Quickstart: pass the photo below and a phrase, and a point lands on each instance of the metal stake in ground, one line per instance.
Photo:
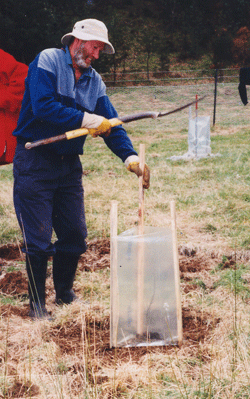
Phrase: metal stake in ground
(196, 126)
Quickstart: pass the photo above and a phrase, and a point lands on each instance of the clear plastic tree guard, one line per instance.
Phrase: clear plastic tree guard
(144, 309)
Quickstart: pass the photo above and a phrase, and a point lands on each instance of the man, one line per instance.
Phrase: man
(12, 76)
(63, 92)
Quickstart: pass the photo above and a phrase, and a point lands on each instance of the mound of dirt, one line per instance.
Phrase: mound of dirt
(193, 264)
(14, 283)
(96, 257)
(196, 325)
(23, 389)
(71, 338)
(11, 252)
(10, 310)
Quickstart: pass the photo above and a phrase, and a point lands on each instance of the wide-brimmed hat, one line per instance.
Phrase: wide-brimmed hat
(90, 29)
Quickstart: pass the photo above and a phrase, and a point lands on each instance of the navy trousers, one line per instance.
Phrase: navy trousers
(48, 194)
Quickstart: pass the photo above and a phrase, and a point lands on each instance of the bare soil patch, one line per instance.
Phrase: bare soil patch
(23, 389)
(97, 256)
(193, 264)
(14, 283)
(11, 310)
(197, 327)
(11, 252)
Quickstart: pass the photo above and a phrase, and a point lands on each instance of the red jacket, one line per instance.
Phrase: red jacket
(12, 76)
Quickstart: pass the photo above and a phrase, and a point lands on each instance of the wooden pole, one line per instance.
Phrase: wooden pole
(114, 298)
(140, 259)
(141, 190)
(176, 273)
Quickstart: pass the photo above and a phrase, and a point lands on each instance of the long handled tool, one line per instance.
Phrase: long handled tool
(114, 122)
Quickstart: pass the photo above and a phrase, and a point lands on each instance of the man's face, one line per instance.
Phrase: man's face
(84, 53)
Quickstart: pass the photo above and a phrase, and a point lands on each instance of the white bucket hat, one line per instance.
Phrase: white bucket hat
(90, 29)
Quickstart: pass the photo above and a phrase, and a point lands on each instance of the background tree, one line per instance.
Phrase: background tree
(149, 41)
(26, 28)
(222, 49)
(241, 46)
(150, 30)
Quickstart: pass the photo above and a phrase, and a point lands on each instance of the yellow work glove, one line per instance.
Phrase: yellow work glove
(97, 125)
(132, 164)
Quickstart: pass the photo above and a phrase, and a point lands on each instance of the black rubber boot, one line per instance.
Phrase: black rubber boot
(64, 270)
(36, 267)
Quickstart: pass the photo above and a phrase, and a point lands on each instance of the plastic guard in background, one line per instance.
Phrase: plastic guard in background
(12, 77)
(199, 137)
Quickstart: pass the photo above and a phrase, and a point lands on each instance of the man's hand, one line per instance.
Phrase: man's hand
(97, 125)
(132, 164)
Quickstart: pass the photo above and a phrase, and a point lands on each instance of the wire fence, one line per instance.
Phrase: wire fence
(222, 102)
(162, 78)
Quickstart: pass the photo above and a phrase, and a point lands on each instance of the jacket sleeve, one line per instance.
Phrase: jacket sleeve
(12, 82)
(118, 141)
(47, 104)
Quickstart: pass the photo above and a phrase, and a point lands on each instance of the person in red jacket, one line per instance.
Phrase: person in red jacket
(12, 77)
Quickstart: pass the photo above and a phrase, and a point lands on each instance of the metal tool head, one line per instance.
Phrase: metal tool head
(181, 108)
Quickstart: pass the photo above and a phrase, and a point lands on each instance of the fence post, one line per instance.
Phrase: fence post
(215, 93)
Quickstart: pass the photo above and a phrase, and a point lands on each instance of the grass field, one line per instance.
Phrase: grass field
(69, 357)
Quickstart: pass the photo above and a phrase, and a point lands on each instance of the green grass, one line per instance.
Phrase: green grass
(6, 300)
(234, 280)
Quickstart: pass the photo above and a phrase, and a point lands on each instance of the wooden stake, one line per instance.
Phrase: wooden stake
(176, 273)
(114, 304)
(141, 190)
(140, 259)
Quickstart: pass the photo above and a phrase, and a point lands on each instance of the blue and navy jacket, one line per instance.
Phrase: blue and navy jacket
(54, 103)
